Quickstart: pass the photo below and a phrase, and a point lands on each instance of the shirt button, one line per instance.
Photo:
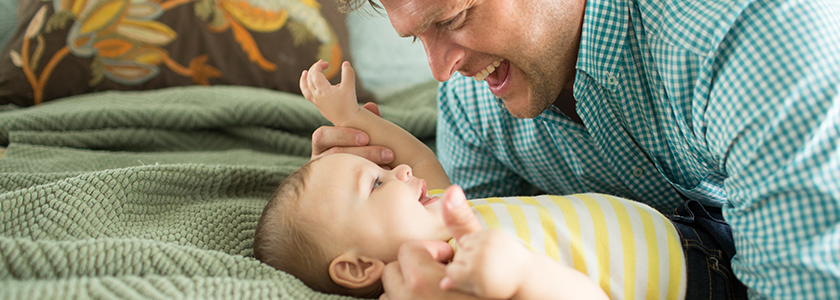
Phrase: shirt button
(612, 79)
(637, 172)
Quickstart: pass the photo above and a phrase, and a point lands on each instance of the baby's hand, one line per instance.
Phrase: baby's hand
(488, 264)
(337, 102)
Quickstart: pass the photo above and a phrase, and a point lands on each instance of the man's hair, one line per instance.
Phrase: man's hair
(286, 241)
(346, 6)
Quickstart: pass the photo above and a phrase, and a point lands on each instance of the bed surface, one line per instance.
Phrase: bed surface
(156, 194)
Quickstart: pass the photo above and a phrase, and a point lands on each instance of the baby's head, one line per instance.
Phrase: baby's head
(336, 221)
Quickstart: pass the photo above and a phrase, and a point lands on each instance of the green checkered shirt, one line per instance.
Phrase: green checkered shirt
(733, 103)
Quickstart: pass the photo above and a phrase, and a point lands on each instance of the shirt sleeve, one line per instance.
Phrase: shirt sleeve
(465, 157)
(774, 115)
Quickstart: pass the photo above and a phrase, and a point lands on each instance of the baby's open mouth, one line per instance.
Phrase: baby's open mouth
(425, 198)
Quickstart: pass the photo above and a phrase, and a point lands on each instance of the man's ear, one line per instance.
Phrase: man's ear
(353, 271)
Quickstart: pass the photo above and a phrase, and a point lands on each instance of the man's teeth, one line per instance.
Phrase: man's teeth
(487, 71)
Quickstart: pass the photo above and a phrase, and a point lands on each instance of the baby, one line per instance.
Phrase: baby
(337, 221)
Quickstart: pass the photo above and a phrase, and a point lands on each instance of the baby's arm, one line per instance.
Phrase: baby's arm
(338, 104)
(491, 264)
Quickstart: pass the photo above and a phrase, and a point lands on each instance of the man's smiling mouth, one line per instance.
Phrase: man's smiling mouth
(496, 75)
(487, 71)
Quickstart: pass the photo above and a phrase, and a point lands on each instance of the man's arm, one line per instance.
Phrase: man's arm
(338, 104)
(774, 125)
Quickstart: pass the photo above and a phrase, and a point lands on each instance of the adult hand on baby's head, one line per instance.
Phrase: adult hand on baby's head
(337, 102)
(328, 140)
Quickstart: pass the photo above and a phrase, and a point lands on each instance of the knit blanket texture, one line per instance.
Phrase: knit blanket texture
(156, 194)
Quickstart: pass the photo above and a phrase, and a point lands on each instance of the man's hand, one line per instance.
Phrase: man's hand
(328, 140)
(417, 272)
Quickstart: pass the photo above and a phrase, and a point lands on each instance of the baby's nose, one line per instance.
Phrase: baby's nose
(402, 172)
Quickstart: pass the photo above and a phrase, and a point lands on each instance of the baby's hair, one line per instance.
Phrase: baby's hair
(284, 241)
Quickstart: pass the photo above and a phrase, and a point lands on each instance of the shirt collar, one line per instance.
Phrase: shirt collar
(602, 39)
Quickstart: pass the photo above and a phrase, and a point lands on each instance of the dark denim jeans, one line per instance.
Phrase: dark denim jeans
(708, 245)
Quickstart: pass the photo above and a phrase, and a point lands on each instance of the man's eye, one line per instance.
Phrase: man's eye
(453, 23)
(376, 183)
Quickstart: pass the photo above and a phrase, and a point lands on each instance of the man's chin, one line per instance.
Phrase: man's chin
(522, 108)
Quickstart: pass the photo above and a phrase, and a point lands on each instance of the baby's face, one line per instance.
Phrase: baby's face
(369, 209)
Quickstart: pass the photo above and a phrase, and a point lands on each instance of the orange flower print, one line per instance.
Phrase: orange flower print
(121, 35)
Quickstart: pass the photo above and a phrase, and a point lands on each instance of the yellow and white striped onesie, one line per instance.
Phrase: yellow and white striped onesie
(631, 250)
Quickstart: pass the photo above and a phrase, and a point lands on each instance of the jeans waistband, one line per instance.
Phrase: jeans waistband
(709, 248)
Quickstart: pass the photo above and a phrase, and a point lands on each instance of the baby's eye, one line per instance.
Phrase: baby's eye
(376, 183)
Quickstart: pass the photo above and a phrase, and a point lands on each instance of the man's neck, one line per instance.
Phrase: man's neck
(566, 103)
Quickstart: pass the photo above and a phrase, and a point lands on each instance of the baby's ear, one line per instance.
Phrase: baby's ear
(353, 271)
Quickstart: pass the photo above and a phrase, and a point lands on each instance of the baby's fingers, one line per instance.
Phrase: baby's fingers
(458, 277)
(348, 76)
(304, 85)
(317, 80)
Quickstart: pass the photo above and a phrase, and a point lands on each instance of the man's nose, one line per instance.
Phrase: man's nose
(444, 56)
(402, 172)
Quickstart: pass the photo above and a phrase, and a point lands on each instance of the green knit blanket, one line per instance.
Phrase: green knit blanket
(156, 194)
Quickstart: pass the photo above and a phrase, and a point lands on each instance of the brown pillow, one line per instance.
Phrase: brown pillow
(86, 46)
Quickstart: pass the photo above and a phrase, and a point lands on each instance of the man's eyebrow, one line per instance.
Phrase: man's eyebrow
(425, 25)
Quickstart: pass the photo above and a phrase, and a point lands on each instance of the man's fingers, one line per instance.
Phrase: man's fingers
(457, 214)
(439, 250)
(418, 260)
(424, 252)
(326, 137)
(377, 154)
(328, 140)
(392, 276)
(372, 107)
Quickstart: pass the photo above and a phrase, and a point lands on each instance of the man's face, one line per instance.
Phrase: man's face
(526, 50)
(369, 209)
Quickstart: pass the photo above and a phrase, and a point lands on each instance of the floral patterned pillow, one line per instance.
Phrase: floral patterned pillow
(68, 47)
